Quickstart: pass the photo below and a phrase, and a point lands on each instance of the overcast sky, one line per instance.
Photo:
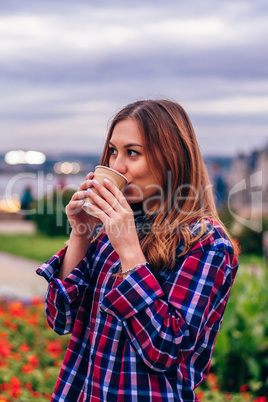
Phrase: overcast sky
(66, 67)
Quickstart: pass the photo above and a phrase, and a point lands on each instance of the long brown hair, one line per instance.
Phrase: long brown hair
(174, 156)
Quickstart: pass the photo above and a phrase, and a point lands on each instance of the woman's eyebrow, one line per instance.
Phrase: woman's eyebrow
(127, 145)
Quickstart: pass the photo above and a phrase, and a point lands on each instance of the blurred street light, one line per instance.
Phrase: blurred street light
(67, 168)
(25, 157)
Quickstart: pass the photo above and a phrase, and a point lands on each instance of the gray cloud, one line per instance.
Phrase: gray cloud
(223, 63)
(67, 66)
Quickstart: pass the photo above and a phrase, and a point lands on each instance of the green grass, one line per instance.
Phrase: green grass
(40, 248)
(250, 259)
(33, 246)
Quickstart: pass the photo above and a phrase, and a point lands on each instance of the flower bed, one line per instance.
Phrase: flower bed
(213, 393)
(31, 355)
(30, 352)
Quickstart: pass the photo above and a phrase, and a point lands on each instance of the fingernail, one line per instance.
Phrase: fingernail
(95, 181)
(87, 204)
(80, 202)
(106, 180)
(89, 191)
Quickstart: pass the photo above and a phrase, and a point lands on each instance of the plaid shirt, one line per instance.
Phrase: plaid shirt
(145, 337)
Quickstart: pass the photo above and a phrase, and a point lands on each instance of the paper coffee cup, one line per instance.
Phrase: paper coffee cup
(101, 173)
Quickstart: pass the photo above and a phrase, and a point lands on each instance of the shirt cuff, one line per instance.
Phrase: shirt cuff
(136, 292)
(51, 268)
(74, 284)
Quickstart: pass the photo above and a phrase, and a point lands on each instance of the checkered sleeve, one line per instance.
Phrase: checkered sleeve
(64, 296)
(163, 323)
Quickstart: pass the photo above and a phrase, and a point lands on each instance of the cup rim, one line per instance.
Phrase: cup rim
(106, 167)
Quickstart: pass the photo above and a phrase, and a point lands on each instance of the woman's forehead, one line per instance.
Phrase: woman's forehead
(126, 131)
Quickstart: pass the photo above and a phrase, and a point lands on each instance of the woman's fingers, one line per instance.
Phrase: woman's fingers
(111, 194)
(117, 193)
(108, 198)
(74, 207)
(85, 185)
(108, 191)
(87, 182)
(90, 176)
(105, 199)
(108, 207)
(81, 194)
(77, 201)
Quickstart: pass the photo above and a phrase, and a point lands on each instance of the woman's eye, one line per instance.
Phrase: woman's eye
(112, 150)
(131, 152)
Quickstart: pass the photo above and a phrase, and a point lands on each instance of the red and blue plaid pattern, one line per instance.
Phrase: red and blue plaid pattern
(143, 338)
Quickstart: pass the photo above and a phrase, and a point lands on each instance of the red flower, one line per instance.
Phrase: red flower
(16, 356)
(54, 348)
(37, 301)
(27, 368)
(4, 386)
(36, 394)
(33, 319)
(7, 323)
(215, 387)
(17, 309)
(29, 386)
(212, 380)
(3, 335)
(244, 388)
(200, 395)
(260, 399)
(2, 311)
(33, 363)
(3, 398)
(33, 360)
(15, 387)
(5, 347)
(24, 348)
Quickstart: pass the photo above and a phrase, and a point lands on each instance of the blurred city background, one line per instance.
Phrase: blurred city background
(65, 69)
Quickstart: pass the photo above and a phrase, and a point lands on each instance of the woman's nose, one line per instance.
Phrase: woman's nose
(119, 165)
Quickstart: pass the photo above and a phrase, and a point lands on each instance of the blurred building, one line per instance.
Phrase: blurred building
(248, 175)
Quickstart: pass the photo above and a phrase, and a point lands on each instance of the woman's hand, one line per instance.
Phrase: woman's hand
(81, 222)
(117, 216)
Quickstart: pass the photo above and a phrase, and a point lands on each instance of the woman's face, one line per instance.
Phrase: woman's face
(127, 156)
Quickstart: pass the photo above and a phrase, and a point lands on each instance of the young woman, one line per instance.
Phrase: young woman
(143, 297)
